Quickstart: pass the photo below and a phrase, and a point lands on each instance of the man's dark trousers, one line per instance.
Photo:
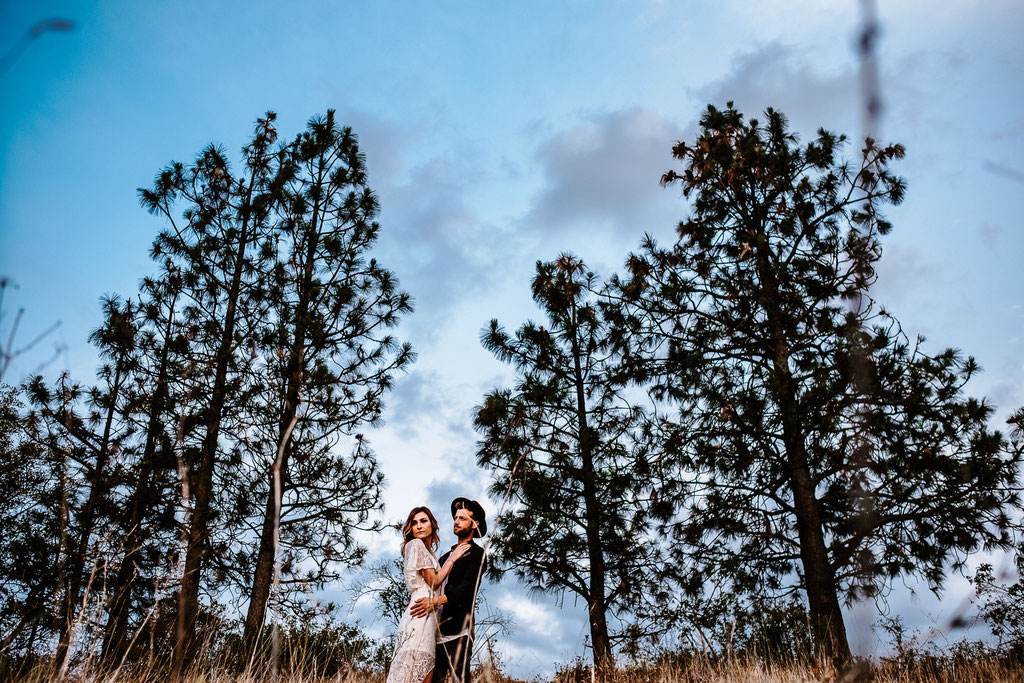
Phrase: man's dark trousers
(453, 657)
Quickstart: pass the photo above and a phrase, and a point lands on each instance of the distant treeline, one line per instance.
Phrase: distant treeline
(714, 449)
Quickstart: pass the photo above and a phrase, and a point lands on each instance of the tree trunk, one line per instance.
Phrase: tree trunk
(63, 550)
(86, 520)
(115, 633)
(201, 485)
(596, 608)
(201, 473)
(826, 615)
(819, 577)
(263, 574)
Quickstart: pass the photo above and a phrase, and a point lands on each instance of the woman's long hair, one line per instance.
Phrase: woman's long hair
(434, 539)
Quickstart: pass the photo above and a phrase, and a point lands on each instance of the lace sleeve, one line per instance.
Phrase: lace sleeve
(417, 556)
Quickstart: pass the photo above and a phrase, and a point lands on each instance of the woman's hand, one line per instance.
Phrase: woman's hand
(435, 578)
(460, 550)
(425, 606)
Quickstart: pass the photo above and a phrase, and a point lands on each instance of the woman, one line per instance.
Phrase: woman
(413, 661)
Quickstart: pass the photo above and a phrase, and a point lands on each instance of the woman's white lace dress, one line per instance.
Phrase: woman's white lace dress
(414, 648)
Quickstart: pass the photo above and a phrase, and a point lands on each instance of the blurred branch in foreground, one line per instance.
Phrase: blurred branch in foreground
(38, 29)
(1005, 171)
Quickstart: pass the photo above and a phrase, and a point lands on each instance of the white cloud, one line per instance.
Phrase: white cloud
(604, 173)
(530, 615)
(788, 80)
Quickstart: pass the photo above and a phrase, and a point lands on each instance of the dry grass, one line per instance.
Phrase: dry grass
(155, 674)
(983, 669)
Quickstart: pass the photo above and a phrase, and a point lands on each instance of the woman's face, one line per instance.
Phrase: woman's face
(421, 526)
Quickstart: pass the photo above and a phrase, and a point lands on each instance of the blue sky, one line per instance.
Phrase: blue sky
(497, 134)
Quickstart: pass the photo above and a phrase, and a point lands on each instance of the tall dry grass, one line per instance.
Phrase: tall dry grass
(158, 671)
(44, 675)
(984, 668)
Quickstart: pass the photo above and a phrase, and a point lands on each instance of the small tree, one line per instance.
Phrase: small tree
(826, 451)
(566, 444)
(86, 432)
(1001, 605)
(103, 433)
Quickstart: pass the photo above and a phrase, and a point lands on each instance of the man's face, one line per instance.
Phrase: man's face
(463, 526)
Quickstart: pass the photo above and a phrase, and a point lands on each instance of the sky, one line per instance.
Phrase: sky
(498, 134)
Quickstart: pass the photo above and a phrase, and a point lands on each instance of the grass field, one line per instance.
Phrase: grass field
(981, 669)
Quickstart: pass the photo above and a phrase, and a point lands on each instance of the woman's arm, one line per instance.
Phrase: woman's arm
(435, 578)
(458, 595)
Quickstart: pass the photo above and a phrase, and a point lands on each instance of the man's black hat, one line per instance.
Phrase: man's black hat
(478, 514)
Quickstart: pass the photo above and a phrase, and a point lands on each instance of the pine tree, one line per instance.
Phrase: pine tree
(825, 450)
(116, 341)
(217, 247)
(571, 451)
(30, 505)
(86, 430)
(147, 524)
(329, 358)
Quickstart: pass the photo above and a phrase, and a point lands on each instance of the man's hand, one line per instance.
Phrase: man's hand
(424, 606)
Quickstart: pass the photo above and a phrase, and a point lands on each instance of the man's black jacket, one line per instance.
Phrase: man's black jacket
(463, 583)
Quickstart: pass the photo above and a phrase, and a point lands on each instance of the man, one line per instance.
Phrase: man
(458, 600)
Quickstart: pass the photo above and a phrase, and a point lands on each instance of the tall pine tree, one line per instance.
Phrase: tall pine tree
(329, 357)
(571, 450)
(825, 449)
(215, 243)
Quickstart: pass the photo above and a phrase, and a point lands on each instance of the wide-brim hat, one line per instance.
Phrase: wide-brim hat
(478, 515)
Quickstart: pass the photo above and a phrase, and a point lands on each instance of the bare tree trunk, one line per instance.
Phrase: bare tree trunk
(86, 521)
(115, 633)
(596, 607)
(201, 475)
(819, 576)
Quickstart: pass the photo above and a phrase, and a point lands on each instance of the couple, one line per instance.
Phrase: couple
(434, 642)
